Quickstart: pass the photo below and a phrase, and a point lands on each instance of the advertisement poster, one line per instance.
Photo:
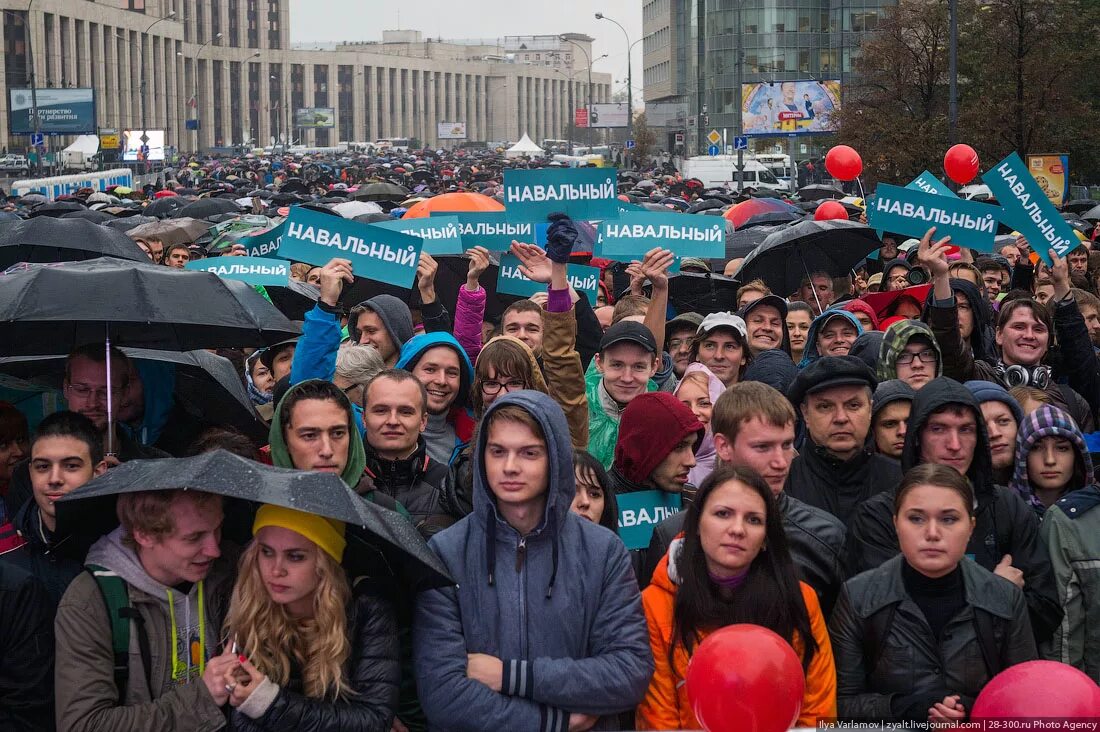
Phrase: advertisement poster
(1051, 172)
(780, 108)
(314, 117)
(60, 111)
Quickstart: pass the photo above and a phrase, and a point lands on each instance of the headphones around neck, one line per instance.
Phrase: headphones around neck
(1013, 376)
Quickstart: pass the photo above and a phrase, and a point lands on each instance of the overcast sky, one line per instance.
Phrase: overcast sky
(364, 20)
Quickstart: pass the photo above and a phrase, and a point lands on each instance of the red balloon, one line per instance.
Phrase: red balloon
(961, 164)
(829, 210)
(843, 163)
(1038, 689)
(745, 678)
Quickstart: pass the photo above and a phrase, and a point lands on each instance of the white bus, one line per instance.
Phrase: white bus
(779, 165)
(396, 144)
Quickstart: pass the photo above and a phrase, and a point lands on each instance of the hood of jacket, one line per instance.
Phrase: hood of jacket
(893, 264)
(419, 344)
(894, 341)
(559, 448)
(859, 306)
(650, 427)
(536, 371)
(774, 368)
(704, 452)
(937, 393)
(810, 354)
(866, 348)
(888, 392)
(280, 455)
(1049, 421)
(981, 337)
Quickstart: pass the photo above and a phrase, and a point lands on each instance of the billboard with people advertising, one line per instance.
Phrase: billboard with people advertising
(781, 108)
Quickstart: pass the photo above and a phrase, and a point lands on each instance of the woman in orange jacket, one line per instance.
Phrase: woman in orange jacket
(731, 565)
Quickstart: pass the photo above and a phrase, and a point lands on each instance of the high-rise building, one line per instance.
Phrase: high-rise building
(222, 72)
(690, 52)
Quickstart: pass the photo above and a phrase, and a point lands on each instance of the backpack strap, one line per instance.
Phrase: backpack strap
(117, 598)
(874, 639)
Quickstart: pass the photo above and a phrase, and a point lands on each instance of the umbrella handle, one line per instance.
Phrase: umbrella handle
(861, 194)
(807, 271)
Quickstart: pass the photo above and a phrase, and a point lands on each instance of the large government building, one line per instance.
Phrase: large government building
(223, 72)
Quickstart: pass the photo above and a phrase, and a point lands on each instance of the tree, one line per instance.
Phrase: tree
(645, 139)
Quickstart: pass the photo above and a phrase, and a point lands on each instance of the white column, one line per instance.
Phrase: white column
(386, 128)
(374, 98)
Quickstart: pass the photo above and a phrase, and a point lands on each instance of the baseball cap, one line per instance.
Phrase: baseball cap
(774, 300)
(685, 320)
(628, 331)
(828, 372)
(723, 320)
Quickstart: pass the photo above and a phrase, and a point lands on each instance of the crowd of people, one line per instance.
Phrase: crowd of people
(889, 468)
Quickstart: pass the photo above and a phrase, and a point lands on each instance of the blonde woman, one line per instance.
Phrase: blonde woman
(314, 653)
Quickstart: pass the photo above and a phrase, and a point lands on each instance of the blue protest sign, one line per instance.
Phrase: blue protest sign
(633, 234)
(912, 212)
(640, 512)
(510, 281)
(440, 234)
(1028, 210)
(253, 270)
(375, 253)
(264, 244)
(493, 230)
(931, 184)
(583, 193)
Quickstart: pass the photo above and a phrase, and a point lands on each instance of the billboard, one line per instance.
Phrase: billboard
(450, 130)
(609, 115)
(132, 146)
(315, 117)
(60, 111)
(1051, 172)
(782, 108)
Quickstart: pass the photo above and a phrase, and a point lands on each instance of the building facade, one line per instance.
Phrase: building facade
(690, 51)
(227, 66)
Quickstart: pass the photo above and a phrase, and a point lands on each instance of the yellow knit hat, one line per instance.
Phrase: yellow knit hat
(325, 533)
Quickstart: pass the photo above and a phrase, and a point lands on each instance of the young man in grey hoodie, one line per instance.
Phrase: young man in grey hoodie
(544, 629)
(178, 585)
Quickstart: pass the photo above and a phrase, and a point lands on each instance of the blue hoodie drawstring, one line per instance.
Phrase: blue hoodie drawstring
(552, 526)
(491, 547)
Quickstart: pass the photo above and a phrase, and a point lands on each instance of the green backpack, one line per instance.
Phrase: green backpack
(117, 598)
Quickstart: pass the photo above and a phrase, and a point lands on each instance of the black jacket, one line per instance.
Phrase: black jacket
(1004, 523)
(884, 648)
(416, 483)
(822, 481)
(815, 538)
(373, 674)
(26, 652)
(43, 555)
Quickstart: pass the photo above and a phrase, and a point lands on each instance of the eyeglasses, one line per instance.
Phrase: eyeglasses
(493, 387)
(926, 356)
(675, 343)
(83, 391)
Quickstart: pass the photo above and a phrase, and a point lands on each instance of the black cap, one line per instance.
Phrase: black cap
(774, 300)
(628, 330)
(828, 372)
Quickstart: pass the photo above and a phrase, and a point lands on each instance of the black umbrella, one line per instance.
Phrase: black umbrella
(49, 308)
(125, 223)
(741, 242)
(384, 191)
(163, 207)
(207, 389)
(96, 217)
(702, 293)
(1078, 205)
(295, 299)
(788, 255)
(818, 192)
(771, 218)
(47, 239)
(89, 510)
(57, 208)
(205, 207)
(1093, 214)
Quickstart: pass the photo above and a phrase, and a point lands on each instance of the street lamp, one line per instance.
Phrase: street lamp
(35, 120)
(629, 77)
(570, 77)
(141, 45)
(587, 58)
(195, 87)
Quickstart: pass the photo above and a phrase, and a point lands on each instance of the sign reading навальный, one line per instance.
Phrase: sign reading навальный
(582, 193)
(931, 184)
(640, 512)
(510, 281)
(253, 270)
(440, 233)
(633, 234)
(1028, 210)
(912, 212)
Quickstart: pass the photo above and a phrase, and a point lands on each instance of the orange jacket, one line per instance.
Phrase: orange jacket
(666, 703)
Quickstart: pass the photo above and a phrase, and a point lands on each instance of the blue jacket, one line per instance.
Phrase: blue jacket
(461, 417)
(810, 353)
(565, 616)
(315, 355)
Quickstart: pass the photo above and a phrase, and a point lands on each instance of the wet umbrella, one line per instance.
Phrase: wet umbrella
(702, 293)
(295, 299)
(46, 239)
(1078, 205)
(127, 223)
(56, 209)
(818, 192)
(741, 242)
(173, 231)
(165, 206)
(788, 255)
(384, 191)
(645, 185)
(1093, 214)
(207, 388)
(741, 212)
(96, 217)
(459, 201)
(351, 209)
(773, 218)
(206, 207)
(381, 541)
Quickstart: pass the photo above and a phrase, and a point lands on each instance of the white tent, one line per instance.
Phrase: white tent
(86, 144)
(524, 148)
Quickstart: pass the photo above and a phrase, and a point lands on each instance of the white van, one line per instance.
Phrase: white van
(721, 170)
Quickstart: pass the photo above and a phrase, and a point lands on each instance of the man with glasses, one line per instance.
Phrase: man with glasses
(909, 352)
(395, 415)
